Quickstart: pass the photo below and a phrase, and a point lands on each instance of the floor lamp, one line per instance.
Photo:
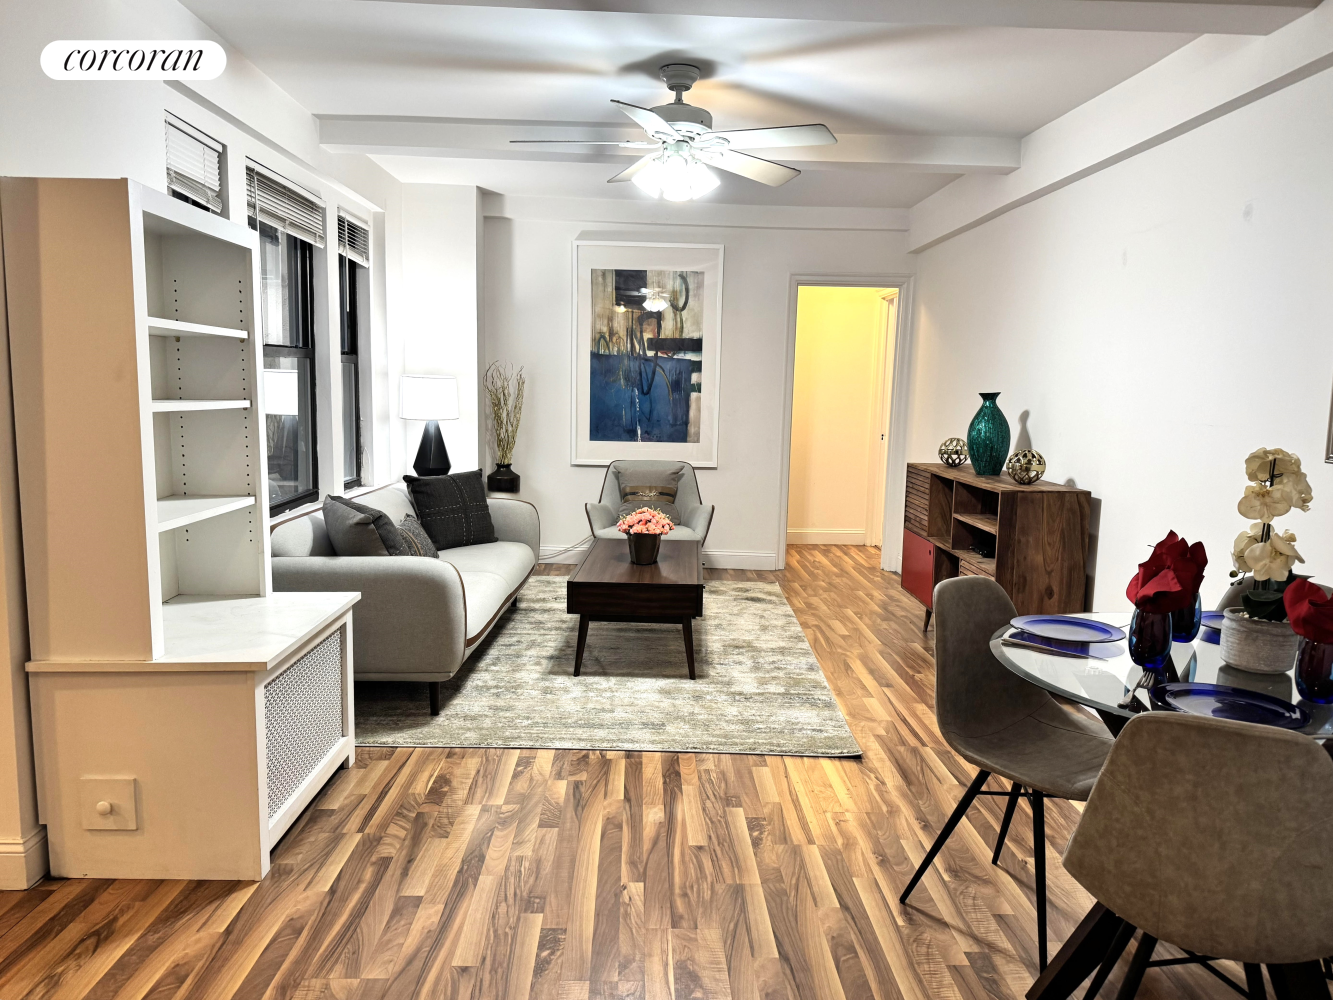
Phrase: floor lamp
(431, 398)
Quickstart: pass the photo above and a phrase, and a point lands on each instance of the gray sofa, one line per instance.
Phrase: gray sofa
(418, 619)
(695, 517)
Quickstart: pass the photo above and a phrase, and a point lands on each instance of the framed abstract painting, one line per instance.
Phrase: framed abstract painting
(647, 341)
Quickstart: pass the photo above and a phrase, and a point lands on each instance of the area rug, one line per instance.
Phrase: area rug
(759, 688)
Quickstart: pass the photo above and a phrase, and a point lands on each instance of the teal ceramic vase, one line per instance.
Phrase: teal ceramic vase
(988, 437)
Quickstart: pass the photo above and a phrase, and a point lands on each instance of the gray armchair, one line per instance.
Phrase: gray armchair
(695, 517)
(418, 619)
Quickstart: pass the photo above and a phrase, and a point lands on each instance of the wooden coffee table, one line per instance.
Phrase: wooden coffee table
(607, 587)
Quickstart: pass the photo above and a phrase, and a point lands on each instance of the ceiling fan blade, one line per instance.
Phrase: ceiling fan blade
(753, 167)
(591, 142)
(771, 138)
(628, 173)
(651, 122)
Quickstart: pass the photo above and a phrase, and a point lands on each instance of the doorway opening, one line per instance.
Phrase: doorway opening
(842, 385)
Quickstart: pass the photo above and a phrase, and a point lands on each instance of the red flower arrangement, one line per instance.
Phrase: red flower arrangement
(645, 521)
(1169, 579)
(1309, 610)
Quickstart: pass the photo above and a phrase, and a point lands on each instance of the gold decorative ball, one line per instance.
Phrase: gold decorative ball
(953, 452)
(1026, 466)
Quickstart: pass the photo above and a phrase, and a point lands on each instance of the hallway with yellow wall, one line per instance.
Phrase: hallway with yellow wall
(839, 405)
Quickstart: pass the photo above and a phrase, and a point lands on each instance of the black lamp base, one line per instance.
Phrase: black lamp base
(432, 456)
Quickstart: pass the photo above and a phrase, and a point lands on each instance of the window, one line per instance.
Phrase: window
(194, 166)
(353, 258)
(290, 225)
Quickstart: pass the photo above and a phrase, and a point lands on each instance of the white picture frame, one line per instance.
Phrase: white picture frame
(685, 265)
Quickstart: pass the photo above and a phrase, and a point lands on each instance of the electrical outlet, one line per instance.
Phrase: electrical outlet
(108, 804)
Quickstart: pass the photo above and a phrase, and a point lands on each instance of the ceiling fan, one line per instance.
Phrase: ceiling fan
(682, 145)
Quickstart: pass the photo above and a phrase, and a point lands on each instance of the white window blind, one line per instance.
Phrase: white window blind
(354, 239)
(194, 164)
(271, 200)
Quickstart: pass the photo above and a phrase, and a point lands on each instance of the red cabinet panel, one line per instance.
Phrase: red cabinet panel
(918, 567)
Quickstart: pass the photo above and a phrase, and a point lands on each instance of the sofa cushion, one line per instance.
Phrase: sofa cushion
(510, 561)
(453, 508)
(415, 539)
(490, 573)
(357, 530)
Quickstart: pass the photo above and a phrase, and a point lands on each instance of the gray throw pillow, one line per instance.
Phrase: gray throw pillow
(452, 509)
(357, 530)
(650, 488)
(415, 540)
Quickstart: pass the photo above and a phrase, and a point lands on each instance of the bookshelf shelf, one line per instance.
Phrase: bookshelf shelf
(178, 511)
(179, 328)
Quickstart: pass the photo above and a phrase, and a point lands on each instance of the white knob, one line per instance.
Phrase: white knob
(104, 808)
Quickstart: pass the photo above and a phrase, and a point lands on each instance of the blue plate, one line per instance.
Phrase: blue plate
(1218, 701)
(1212, 619)
(1209, 634)
(1095, 650)
(1068, 628)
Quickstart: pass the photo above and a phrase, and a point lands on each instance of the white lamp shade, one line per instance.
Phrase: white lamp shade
(428, 397)
(282, 392)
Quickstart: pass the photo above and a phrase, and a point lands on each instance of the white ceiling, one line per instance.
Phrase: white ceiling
(436, 90)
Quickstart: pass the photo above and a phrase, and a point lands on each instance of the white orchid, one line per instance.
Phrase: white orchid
(1265, 462)
(1242, 544)
(1265, 502)
(1273, 559)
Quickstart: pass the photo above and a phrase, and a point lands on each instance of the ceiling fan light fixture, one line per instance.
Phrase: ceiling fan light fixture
(675, 176)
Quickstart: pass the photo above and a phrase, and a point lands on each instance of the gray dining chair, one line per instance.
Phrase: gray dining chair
(1211, 835)
(1004, 725)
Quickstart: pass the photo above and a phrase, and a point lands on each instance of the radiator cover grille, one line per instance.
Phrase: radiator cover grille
(303, 718)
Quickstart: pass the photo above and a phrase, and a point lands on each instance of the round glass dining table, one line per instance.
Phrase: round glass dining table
(1105, 684)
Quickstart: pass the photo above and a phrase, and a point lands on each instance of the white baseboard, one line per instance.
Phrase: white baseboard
(739, 559)
(23, 862)
(563, 553)
(826, 536)
(713, 558)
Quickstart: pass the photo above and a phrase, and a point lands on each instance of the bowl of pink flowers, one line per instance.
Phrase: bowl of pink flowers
(644, 530)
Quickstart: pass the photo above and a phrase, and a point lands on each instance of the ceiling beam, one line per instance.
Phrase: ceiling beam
(1256, 17)
(491, 140)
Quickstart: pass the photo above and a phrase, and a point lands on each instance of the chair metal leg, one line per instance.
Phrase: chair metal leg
(1015, 793)
(1118, 946)
(1081, 953)
(1039, 864)
(1302, 981)
(1138, 965)
(971, 793)
(1254, 982)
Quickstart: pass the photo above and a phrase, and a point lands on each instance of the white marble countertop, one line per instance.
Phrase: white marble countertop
(226, 633)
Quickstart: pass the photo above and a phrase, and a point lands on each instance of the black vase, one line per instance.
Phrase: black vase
(643, 548)
(503, 480)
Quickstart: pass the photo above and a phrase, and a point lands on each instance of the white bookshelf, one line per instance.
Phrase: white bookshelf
(158, 652)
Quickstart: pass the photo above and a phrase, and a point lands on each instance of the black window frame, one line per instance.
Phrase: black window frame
(301, 320)
(349, 353)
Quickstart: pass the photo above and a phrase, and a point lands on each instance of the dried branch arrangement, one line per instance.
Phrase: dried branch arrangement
(506, 392)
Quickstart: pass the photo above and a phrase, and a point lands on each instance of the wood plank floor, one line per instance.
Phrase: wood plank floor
(576, 875)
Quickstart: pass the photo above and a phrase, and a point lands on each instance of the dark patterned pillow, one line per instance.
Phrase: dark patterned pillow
(415, 540)
(452, 509)
(656, 489)
(357, 530)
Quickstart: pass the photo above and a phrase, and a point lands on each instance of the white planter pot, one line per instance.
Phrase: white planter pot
(1256, 646)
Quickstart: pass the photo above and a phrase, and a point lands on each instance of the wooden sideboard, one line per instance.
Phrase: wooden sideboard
(1034, 539)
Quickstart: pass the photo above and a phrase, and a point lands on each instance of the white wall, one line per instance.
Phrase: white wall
(437, 311)
(1156, 321)
(529, 287)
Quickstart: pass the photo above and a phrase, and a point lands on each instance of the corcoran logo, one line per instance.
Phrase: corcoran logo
(152, 59)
